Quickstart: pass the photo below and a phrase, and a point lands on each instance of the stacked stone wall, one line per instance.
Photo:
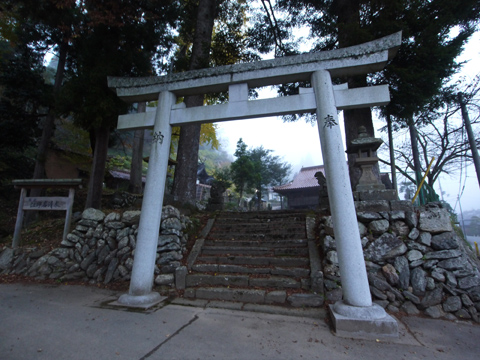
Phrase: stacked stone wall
(101, 248)
(416, 262)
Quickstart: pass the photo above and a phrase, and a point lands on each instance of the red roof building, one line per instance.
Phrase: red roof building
(303, 191)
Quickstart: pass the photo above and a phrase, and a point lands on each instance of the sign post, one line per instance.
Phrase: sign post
(44, 203)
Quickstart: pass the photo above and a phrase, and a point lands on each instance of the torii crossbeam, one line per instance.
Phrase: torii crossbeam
(356, 311)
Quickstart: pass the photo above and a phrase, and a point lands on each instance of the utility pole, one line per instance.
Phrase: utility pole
(471, 137)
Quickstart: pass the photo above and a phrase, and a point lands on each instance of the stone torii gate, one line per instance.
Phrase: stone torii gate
(355, 314)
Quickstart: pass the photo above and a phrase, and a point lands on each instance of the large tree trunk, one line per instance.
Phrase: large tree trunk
(47, 131)
(184, 186)
(416, 159)
(48, 125)
(135, 185)
(349, 34)
(95, 184)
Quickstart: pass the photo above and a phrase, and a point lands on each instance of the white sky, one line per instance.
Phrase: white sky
(298, 143)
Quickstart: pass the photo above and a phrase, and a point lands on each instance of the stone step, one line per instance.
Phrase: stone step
(277, 233)
(259, 224)
(278, 282)
(258, 250)
(239, 269)
(289, 261)
(254, 296)
(253, 237)
(264, 243)
(261, 217)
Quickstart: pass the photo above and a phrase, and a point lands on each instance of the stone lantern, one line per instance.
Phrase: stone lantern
(365, 146)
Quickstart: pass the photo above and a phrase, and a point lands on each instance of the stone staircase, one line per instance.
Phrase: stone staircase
(254, 257)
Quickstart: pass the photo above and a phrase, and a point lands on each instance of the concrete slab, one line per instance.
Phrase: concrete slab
(72, 322)
(368, 328)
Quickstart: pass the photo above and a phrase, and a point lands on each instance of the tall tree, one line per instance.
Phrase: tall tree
(219, 39)
(268, 170)
(440, 136)
(184, 186)
(51, 23)
(136, 185)
(22, 103)
(113, 41)
(242, 169)
(256, 169)
(434, 32)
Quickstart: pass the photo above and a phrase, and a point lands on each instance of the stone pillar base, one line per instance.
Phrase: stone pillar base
(368, 323)
(139, 301)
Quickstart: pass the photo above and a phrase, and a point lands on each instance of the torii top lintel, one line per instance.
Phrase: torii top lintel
(359, 59)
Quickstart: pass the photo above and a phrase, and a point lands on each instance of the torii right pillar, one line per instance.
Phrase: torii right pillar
(355, 316)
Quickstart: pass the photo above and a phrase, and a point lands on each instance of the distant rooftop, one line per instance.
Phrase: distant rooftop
(303, 180)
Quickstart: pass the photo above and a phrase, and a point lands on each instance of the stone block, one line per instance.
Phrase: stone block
(403, 205)
(414, 234)
(305, 300)
(372, 205)
(131, 217)
(180, 277)
(401, 265)
(332, 257)
(435, 311)
(435, 221)
(443, 254)
(378, 227)
(444, 241)
(364, 325)
(369, 195)
(276, 297)
(367, 216)
(469, 282)
(400, 228)
(410, 308)
(418, 281)
(276, 282)
(413, 255)
(452, 304)
(6, 258)
(164, 279)
(432, 298)
(385, 247)
(93, 214)
(453, 263)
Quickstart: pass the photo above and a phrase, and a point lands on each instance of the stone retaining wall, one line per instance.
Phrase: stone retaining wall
(416, 262)
(100, 249)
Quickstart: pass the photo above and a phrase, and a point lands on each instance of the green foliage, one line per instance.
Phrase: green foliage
(433, 35)
(112, 41)
(257, 169)
(223, 176)
(23, 94)
(242, 169)
(14, 164)
(72, 138)
(119, 162)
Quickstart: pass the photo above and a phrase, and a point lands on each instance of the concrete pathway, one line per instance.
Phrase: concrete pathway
(74, 322)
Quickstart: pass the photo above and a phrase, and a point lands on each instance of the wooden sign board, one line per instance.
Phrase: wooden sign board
(46, 203)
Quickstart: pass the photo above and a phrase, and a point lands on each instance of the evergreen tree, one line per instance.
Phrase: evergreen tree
(242, 169)
(257, 169)
(434, 32)
(218, 39)
(112, 41)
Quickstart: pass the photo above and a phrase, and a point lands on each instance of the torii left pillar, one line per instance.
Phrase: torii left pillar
(141, 283)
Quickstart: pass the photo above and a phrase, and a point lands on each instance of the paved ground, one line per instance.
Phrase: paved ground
(73, 322)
